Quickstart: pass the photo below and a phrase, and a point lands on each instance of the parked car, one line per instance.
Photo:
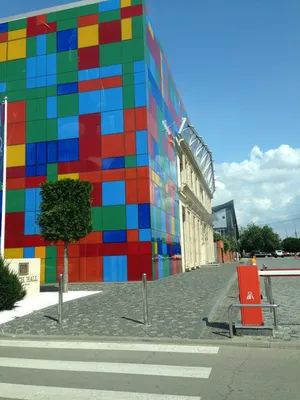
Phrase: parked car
(278, 253)
(260, 254)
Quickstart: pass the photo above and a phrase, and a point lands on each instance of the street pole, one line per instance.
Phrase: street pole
(145, 300)
(4, 155)
(60, 299)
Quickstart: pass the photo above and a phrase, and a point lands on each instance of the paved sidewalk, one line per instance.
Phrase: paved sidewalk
(286, 292)
(177, 307)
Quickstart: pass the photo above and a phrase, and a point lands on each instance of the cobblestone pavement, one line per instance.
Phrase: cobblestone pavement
(286, 293)
(177, 305)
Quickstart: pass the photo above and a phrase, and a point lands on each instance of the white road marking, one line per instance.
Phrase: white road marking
(164, 348)
(30, 392)
(106, 367)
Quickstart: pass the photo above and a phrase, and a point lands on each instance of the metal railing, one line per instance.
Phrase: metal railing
(238, 305)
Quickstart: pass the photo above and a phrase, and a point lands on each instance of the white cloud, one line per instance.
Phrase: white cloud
(265, 188)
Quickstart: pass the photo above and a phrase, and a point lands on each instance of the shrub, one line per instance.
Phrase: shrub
(11, 289)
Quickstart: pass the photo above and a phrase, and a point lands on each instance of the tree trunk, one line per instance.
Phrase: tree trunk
(66, 269)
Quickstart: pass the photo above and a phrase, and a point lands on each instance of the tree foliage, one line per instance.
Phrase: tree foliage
(11, 289)
(291, 244)
(254, 237)
(230, 244)
(66, 213)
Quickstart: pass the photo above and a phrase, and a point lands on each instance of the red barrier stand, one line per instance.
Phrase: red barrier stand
(249, 288)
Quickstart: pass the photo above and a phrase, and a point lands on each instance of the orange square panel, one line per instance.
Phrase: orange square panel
(16, 133)
(16, 112)
(112, 145)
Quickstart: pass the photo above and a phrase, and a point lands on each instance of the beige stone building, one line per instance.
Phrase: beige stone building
(196, 184)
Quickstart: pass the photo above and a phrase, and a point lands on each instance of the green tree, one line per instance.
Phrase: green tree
(11, 289)
(291, 244)
(254, 237)
(66, 214)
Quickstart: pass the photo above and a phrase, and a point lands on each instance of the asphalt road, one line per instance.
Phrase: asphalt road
(131, 371)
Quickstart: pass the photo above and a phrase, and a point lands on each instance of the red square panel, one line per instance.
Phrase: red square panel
(143, 191)
(132, 11)
(133, 247)
(131, 192)
(15, 172)
(14, 224)
(73, 266)
(129, 119)
(141, 118)
(16, 112)
(90, 250)
(88, 20)
(89, 125)
(146, 265)
(133, 268)
(91, 269)
(90, 149)
(110, 32)
(145, 247)
(112, 145)
(88, 57)
(3, 37)
(97, 194)
(16, 133)
(130, 144)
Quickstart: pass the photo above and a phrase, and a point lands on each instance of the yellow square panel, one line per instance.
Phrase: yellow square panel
(125, 3)
(13, 253)
(3, 52)
(16, 49)
(16, 156)
(42, 269)
(40, 252)
(126, 28)
(88, 36)
(68, 176)
(19, 34)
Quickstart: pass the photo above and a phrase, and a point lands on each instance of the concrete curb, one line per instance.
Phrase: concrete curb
(250, 343)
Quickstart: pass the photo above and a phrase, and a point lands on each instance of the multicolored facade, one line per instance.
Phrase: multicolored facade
(88, 89)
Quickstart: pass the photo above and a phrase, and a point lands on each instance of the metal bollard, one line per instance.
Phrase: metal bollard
(60, 299)
(145, 300)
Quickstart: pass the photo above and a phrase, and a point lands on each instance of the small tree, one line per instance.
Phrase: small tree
(66, 214)
(11, 289)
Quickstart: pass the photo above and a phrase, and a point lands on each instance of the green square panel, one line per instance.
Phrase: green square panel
(67, 24)
(128, 68)
(51, 178)
(52, 169)
(50, 270)
(67, 61)
(51, 252)
(97, 219)
(86, 10)
(128, 80)
(18, 24)
(114, 218)
(15, 200)
(127, 51)
(36, 93)
(138, 49)
(67, 105)
(52, 17)
(128, 97)
(31, 47)
(67, 77)
(41, 109)
(136, 2)
(51, 129)
(3, 71)
(36, 131)
(138, 27)
(16, 69)
(51, 91)
(109, 15)
(17, 96)
(51, 43)
(31, 107)
(166, 267)
(130, 161)
(14, 86)
(111, 54)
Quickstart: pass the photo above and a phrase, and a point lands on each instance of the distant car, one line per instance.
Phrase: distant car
(278, 253)
(260, 254)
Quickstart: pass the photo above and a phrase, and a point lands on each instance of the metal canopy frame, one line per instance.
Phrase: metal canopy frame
(200, 151)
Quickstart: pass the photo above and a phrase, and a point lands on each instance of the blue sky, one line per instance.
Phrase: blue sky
(236, 64)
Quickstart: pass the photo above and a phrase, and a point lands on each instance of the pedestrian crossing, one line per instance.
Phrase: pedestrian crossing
(48, 370)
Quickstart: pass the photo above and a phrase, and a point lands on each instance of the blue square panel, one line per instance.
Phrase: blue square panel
(68, 128)
(112, 122)
(31, 67)
(142, 160)
(41, 170)
(51, 64)
(110, 70)
(114, 236)
(113, 193)
(31, 154)
(139, 77)
(132, 217)
(144, 216)
(51, 107)
(30, 221)
(41, 81)
(68, 150)
(41, 66)
(145, 235)
(139, 66)
(30, 200)
(140, 95)
(112, 99)
(109, 5)
(41, 45)
(89, 102)
(67, 40)
(115, 269)
(4, 26)
(52, 152)
(2, 87)
(88, 74)
(29, 252)
(51, 80)
(41, 151)
(67, 88)
(113, 163)
(141, 142)
(30, 170)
